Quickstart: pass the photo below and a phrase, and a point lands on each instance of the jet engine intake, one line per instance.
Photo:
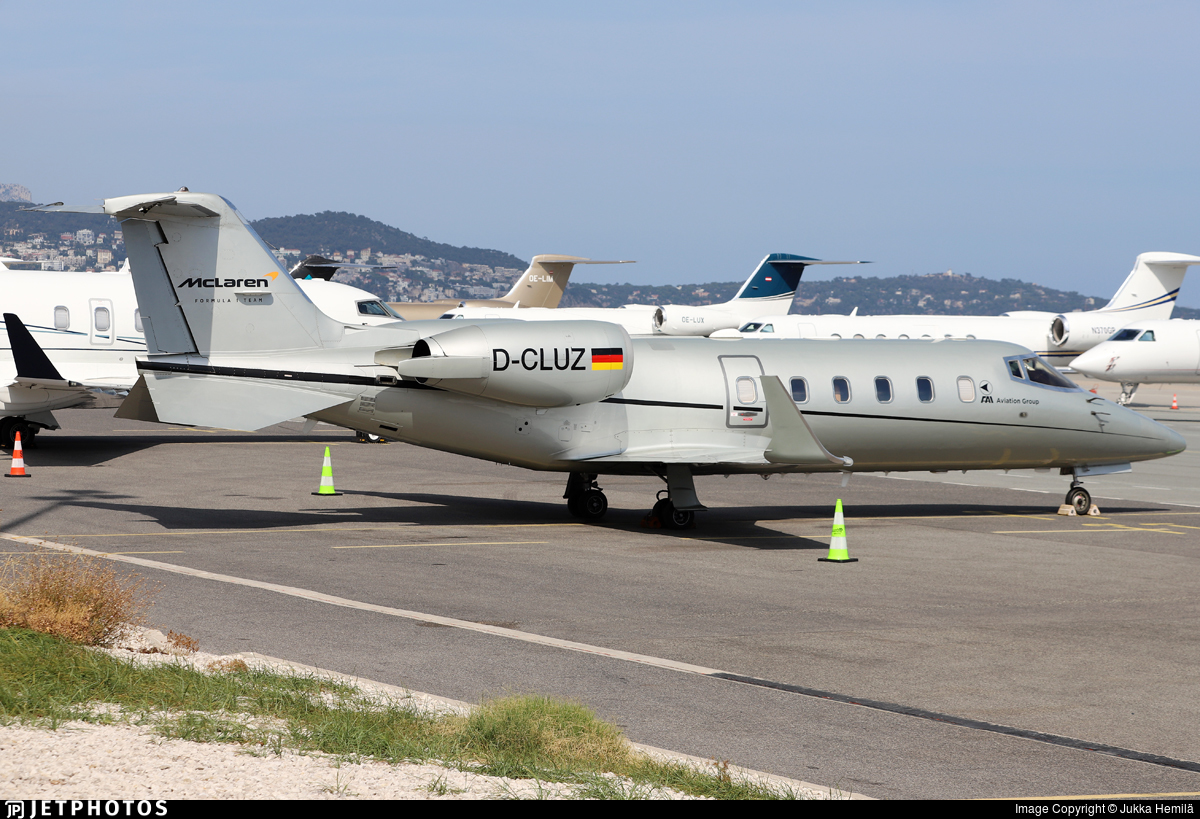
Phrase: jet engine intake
(1089, 330)
(1060, 331)
(532, 364)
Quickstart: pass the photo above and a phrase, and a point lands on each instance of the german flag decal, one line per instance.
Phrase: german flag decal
(608, 358)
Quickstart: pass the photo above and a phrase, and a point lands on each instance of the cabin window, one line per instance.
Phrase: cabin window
(137, 321)
(883, 390)
(799, 390)
(103, 320)
(1127, 334)
(881, 335)
(62, 318)
(966, 389)
(970, 336)
(858, 335)
(1147, 336)
(747, 390)
(834, 335)
(841, 389)
(925, 389)
(902, 335)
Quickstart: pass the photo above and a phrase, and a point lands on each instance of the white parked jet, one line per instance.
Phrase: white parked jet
(89, 326)
(771, 286)
(582, 397)
(1147, 352)
(1148, 293)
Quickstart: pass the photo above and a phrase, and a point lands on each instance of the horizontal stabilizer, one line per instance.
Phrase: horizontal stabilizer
(231, 404)
(793, 441)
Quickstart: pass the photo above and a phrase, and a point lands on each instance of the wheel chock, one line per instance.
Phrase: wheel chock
(1094, 511)
(1068, 510)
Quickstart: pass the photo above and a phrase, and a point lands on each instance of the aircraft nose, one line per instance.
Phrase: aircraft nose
(1091, 363)
(1158, 440)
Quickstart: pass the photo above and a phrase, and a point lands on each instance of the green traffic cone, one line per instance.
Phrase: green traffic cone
(838, 552)
(326, 487)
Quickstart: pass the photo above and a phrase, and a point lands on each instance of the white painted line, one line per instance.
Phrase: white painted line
(307, 594)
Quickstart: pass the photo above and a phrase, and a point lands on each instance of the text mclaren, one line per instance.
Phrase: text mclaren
(225, 283)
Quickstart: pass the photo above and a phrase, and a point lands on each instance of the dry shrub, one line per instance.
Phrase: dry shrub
(233, 665)
(75, 597)
(183, 644)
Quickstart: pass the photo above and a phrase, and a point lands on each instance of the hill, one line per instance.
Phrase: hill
(331, 231)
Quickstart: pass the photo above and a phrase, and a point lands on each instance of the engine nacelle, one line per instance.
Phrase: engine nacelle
(681, 320)
(533, 364)
(1089, 329)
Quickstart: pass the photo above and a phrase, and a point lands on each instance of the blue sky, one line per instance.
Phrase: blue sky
(1048, 141)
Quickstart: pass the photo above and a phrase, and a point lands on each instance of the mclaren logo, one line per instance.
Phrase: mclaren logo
(198, 282)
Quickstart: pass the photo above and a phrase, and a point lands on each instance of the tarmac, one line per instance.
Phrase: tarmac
(981, 647)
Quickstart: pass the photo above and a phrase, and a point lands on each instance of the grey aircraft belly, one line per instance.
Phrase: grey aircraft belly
(235, 344)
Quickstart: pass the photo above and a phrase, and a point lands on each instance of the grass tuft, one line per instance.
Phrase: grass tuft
(46, 680)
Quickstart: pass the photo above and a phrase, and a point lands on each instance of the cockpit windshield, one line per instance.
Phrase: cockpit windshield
(376, 308)
(1033, 369)
(1039, 372)
(1128, 334)
(751, 327)
(1147, 336)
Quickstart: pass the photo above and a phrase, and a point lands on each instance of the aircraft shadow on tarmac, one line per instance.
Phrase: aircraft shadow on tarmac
(743, 527)
(55, 449)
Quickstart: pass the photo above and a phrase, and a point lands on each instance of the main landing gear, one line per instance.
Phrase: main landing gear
(665, 515)
(10, 426)
(585, 499)
(675, 507)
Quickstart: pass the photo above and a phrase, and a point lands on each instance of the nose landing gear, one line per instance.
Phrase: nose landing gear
(1078, 498)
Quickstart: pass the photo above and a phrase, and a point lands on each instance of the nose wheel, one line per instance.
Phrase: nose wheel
(1079, 499)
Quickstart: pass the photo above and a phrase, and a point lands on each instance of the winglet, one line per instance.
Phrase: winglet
(31, 360)
(793, 441)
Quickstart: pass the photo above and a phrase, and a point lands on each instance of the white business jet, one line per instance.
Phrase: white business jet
(1147, 352)
(1148, 293)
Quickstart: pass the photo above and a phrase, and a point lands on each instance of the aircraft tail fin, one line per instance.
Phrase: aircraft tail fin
(1150, 290)
(31, 360)
(777, 278)
(206, 281)
(545, 279)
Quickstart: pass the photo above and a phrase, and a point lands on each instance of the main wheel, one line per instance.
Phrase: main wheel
(1079, 498)
(672, 518)
(7, 427)
(593, 504)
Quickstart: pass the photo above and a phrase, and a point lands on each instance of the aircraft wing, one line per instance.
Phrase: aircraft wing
(793, 441)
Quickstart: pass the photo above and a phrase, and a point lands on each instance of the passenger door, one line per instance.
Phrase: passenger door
(745, 405)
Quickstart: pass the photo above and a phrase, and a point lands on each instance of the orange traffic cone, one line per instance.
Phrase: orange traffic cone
(1175, 401)
(18, 464)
